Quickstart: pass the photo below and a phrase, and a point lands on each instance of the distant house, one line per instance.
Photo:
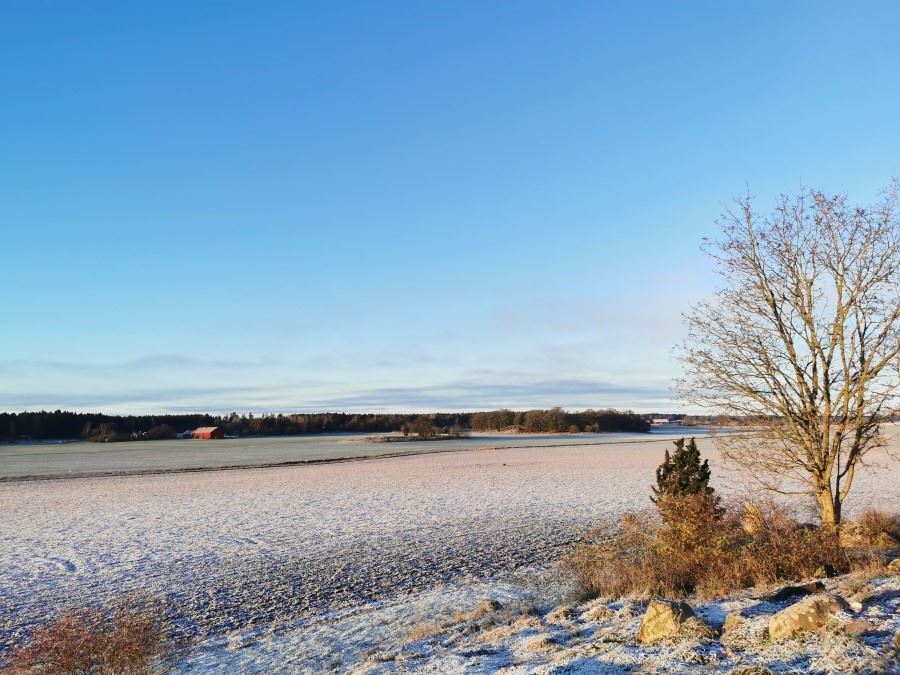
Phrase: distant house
(659, 421)
(208, 433)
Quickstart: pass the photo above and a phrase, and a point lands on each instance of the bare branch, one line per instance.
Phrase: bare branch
(804, 337)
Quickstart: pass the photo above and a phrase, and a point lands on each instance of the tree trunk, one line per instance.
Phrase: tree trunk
(829, 507)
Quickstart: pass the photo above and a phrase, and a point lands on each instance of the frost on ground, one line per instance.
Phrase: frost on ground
(341, 641)
(514, 628)
(20, 461)
(246, 548)
(252, 551)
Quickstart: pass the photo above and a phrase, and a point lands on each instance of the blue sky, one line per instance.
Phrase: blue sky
(401, 206)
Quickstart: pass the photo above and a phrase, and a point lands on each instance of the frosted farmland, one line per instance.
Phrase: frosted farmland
(78, 458)
(239, 550)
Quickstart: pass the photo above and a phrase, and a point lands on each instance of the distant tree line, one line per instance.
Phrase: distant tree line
(64, 425)
(557, 420)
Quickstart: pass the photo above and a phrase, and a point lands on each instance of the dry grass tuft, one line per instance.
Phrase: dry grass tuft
(486, 611)
(697, 549)
(493, 620)
(597, 612)
(127, 637)
(875, 527)
(540, 643)
(526, 621)
(424, 631)
(561, 615)
(498, 633)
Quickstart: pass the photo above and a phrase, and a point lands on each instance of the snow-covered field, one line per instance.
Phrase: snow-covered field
(255, 552)
(37, 460)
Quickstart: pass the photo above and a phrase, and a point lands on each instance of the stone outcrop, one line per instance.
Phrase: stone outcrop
(665, 619)
(809, 614)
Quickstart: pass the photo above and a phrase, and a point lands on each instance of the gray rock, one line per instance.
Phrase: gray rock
(665, 619)
(809, 614)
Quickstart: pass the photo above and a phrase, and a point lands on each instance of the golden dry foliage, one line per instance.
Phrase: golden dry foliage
(875, 528)
(697, 549)
(126, 638)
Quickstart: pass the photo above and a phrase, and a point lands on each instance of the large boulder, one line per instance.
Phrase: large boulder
(811, 613)
(894, 566)
(665, 619)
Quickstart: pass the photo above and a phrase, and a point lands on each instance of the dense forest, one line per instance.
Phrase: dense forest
(62, 425)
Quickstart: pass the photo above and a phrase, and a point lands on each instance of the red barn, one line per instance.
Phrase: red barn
(208, 433)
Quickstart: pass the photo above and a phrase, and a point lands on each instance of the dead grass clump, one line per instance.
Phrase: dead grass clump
(697, 548)
(486, 610)
(498, 633)
(426, 630)
(540, 643)
(615, 560)
(597, 612)
(126, 638)
(487, 614)
(863, 573)
(562, 615)
(875, 527)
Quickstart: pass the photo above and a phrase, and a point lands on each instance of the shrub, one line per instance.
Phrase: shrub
(876, 528)
(700, 548)
(617, 560)
(682, 473)
(125, 638)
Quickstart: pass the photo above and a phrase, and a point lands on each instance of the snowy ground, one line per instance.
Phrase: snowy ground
(43, 460)
(252, 552)
(453, 631)
(531, 628)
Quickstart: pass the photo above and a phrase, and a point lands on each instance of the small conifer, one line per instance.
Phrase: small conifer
(682, 473)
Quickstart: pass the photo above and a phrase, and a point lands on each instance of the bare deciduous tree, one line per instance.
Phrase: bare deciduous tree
(803, 338)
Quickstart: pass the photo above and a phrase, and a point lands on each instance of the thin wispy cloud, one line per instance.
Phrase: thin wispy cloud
(195, 398)
(154, 362)
(476, 395)
(469, 395)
